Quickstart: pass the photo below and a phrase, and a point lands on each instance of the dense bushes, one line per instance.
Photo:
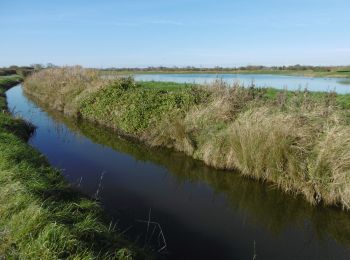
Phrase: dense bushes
(132, 109)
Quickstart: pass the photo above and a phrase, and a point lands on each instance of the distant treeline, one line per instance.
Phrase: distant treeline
(25, 70)
(243, 68)
(12, 70)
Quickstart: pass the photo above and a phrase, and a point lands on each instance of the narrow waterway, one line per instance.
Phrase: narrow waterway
(176, 205)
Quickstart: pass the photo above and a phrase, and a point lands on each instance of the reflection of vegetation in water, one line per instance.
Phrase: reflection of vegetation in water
(344, 81)
(264, 205)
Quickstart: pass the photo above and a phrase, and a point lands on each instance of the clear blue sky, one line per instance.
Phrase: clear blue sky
(175, 32)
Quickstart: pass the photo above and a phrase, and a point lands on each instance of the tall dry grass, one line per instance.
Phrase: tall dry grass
(298, 143)
(329, 167)
(187, 132)
(64, 88)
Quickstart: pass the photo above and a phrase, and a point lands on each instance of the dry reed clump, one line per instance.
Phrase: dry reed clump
(305, 152)
(187, 132)
(171, 133)
(329, 168)
(261, 143)
(64, 88)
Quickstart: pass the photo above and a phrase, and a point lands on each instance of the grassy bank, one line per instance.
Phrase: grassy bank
(41, 216)
(9, 81)
(298, 141)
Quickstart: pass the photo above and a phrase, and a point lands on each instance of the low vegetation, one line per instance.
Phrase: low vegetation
(298, 141)
(9, 81)
(41, 216)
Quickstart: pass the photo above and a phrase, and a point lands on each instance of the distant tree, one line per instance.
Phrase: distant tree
(51, 65)
(37, 66)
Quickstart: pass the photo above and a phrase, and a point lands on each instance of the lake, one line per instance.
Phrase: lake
(203, 213)
(339, 85)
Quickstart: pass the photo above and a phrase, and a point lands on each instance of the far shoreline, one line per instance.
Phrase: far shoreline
(313, 72)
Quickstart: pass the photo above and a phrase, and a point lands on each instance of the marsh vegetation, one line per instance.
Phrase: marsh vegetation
(298, 141)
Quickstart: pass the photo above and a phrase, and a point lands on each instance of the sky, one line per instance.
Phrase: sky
(203, 33)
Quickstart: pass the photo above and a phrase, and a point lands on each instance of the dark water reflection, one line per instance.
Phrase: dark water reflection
(204, 213)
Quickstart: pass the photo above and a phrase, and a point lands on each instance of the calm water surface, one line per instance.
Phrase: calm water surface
(276, 81)
(203, 213)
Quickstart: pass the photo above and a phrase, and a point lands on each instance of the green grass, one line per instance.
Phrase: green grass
(5, 83)
(167, 86)
(296, 140)
(150, 102)
(9, 81)
(41, 216)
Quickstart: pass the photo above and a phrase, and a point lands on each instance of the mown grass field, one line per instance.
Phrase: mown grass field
(41, 216)
(298, 141)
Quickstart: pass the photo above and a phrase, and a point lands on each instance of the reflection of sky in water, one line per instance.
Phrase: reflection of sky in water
(204, 213)
(276, 81)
